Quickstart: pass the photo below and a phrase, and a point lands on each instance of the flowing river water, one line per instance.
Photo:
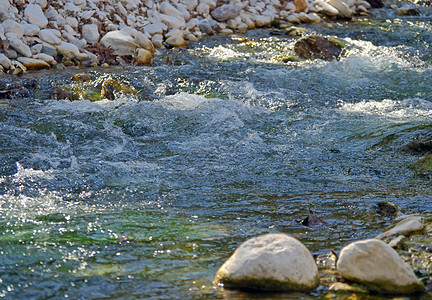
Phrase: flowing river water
(146, 197)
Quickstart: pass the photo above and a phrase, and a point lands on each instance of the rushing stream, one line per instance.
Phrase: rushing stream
(146, 197)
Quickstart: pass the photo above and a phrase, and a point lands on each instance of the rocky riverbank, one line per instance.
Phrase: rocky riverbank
(41, 34)
(396, 262)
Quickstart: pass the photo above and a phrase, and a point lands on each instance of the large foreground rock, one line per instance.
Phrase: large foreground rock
(272, 262)
(377, 266)
(315, 46)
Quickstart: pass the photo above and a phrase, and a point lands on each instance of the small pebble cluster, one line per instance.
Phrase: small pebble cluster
(40, 34)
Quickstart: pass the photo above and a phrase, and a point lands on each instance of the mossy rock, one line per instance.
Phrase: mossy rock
(423, 167)
(288, 58)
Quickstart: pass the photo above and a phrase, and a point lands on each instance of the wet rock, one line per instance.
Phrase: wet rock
(142, 57)
(312, 220)
(81, 77)
(121, 43)
(404, 227)
(33, 64)
(272, 262)
(315, 46)
(376, 265)
(340, 287)
(376, 3)
(112, 87)
(386, 208)
(35, 15)
(407, 11)
(225, 12)
(418, 147)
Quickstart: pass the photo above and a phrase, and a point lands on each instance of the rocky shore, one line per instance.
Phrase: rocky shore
(41, 34)
(396, 262)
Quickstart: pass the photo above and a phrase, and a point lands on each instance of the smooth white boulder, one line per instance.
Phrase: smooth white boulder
(121, 43)
(35, 15)
(378, 266)
(274, 262)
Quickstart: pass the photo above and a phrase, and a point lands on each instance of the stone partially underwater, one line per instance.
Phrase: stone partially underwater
(273, 262)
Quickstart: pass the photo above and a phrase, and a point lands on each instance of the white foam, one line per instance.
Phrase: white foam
(407, 108)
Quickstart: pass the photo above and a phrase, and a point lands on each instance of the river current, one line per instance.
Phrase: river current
(146, 197)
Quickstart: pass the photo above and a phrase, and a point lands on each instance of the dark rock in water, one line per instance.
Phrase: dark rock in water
(386, 208)
(315, 46)
(376, 3)
(417, 147)
(408, 11)
(312, 220)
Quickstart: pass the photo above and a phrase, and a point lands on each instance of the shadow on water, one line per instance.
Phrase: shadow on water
(150, 194)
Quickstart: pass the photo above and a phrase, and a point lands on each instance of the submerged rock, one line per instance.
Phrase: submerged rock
(377, 266)
(315, 46)
(386, 208)
(272, 262)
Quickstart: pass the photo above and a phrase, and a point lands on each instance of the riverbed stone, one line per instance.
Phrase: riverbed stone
(10, 26)
(226, 12)
(30, 29)
(121, 43)
(35, 15)
(51, 36)
(177, 40)
(377, 266)
(20, 47)
(342, 7)
(5, 62)
(272, 262)
(33, 64)
(143, 41)
(45, 57)
(68, 49)
(318, 47)
(143, 57)
(90, 33)
(404, 227)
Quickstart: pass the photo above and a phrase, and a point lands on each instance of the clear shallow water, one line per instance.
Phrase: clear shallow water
(146, 197)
